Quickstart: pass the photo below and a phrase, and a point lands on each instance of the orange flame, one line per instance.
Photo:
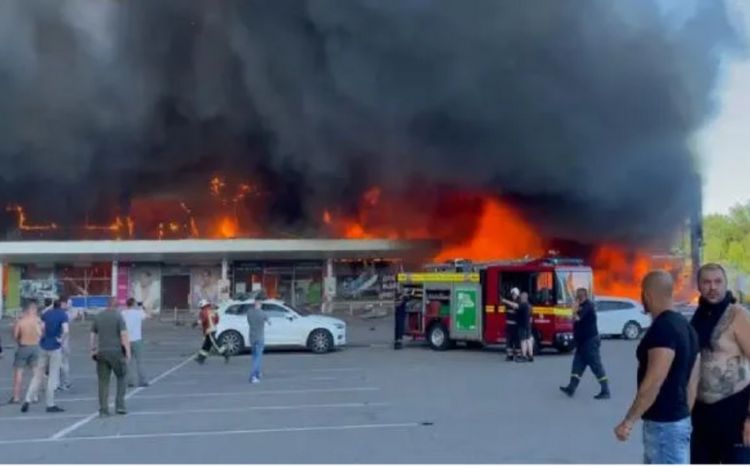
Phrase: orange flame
(227, 228)
(501, 234)
(22, 225)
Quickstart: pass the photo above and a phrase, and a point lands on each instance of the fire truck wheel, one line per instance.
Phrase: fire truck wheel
(631, 330)
(320, 341)
(537, 342)
(437, 336)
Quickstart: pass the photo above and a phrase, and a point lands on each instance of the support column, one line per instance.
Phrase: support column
(329, 288)
(2, 289)
(115, 272)
(224, 286)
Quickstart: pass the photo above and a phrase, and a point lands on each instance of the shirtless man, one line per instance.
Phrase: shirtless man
(721, 417)
(26, 332)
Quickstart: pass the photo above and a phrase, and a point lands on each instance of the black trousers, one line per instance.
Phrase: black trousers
(588, 355)
(511, 338)
(399, 326)
(209, 342)
(717, 431)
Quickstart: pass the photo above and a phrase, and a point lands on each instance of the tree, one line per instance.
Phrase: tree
(727, 238)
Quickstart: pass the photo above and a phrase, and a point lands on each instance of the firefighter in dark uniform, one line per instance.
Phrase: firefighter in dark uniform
(400, 320)
(588, 343)
(512, 344)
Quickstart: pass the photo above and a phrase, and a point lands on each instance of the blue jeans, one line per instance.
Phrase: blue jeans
(667, 442)
(257, 349)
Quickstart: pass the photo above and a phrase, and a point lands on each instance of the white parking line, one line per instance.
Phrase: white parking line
(179, 434)
(259, 408)
(193, 382)
(248, 392)
(130, 394)
(272, 371)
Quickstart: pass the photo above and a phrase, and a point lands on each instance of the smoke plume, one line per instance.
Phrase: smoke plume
(580, 112)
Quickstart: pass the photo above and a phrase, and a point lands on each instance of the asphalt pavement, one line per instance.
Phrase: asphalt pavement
(364, 404)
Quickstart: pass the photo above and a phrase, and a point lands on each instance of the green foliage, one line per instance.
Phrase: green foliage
(727, 238)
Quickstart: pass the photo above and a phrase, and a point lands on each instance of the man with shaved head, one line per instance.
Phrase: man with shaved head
(668, 370)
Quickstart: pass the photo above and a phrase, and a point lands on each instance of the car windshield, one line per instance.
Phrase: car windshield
(568, 281)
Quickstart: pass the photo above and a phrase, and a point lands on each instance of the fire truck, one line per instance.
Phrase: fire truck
(461, 301)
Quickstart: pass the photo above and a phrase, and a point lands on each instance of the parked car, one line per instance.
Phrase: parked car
(623, 317)
(287, 328)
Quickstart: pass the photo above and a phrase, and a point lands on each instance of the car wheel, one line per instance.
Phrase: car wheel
(631, 331)
(438, 338)
(232, 341)
(320, 341)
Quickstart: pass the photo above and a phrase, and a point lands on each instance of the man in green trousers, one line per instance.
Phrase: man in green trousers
(110, 348)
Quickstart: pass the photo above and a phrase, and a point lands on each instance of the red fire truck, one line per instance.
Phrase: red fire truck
(461, 301)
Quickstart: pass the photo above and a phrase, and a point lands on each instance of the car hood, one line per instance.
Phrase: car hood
(324, 320)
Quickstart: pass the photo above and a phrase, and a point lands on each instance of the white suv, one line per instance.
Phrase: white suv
(287, 327)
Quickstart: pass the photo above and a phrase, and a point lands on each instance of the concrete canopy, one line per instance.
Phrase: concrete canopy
(202, 251)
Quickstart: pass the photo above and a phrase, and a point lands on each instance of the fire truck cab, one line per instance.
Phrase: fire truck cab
(461, 301)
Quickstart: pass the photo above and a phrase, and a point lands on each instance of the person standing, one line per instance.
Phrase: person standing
(399, 321)
(512, 346)
(208, 319)
(257, 320)
(668, 369)
(55, 330)
(134, 317)
(721, 417)
(588, 346)
(65, 384)
(27, 332)
(523, 326)
(110, 348)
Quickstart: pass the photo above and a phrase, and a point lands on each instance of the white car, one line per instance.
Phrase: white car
(618, 316)
(287, 328)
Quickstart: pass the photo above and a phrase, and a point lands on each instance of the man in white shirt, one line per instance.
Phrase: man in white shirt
(134, 316)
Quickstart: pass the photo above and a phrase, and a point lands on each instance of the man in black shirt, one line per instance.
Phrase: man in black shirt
(668, 370)
(588, 344)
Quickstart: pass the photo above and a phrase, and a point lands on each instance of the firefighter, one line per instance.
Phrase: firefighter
(208, 319)
(400, 320)
(512, 345)
(588, 343)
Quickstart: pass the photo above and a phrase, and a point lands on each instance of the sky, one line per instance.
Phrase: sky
(724, 144)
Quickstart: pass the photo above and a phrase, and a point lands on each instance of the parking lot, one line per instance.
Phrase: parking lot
(366, 403)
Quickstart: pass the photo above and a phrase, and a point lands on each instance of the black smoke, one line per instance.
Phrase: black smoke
(581, 112)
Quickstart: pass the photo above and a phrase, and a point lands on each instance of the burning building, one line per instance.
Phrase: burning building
(500, 130)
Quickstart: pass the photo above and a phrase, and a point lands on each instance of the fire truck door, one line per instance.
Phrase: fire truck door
(466, 316)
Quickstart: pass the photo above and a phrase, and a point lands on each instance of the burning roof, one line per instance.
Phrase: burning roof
(567, 125)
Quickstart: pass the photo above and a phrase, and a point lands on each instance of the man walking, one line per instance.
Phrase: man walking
(55, 330)
(110, 348)
(721, 417)
(668, 366)
(27, 332)
(257, 320)
(134, 317)
(208, 320)
(588, 345)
